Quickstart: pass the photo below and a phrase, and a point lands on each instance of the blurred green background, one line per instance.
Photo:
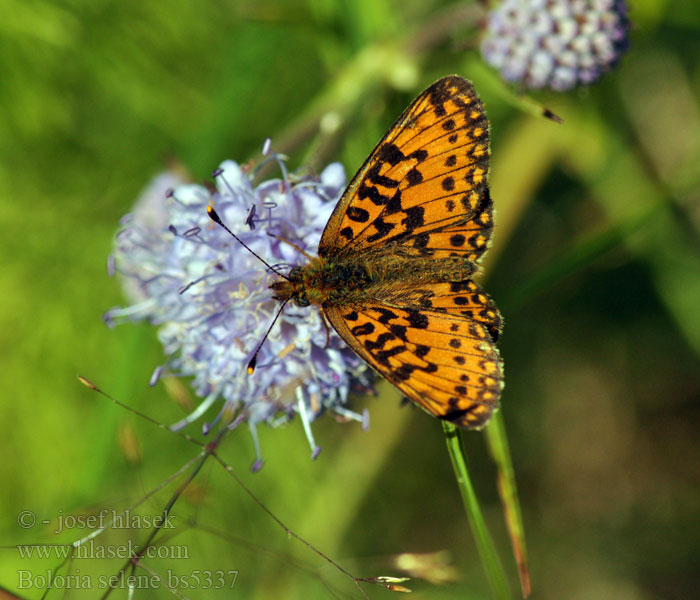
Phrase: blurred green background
(596, 268)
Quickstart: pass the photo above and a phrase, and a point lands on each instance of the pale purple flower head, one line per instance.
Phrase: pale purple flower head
(211, 301)
(556, 44)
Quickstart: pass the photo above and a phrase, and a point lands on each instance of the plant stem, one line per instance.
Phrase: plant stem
(487, 551)
(498, 446)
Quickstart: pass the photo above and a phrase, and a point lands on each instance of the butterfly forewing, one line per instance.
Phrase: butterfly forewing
(424, 185)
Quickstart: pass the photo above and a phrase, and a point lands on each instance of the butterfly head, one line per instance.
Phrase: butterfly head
(293, 288)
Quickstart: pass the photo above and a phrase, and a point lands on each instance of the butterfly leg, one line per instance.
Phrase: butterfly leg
(328, 330)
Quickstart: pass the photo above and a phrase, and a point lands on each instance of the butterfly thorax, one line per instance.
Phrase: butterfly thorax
(321, 281)
(354, 278)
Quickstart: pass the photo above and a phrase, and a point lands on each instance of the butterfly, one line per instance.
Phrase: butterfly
(396, 260)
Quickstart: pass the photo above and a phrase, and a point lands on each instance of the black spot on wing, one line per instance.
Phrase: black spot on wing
(359, 215)
(458, 414)
(361, 330)
(414, 177)
(403, 372)
(417, 319)
(386, 314)
(421, 240)
(372, 194)
(380, 342)
(382, 229)
(394, 205)
(438, 95)
(461, 286)
(457, 240)
(399, 331)
(414, 218)
(383, 356)
(391, 154)
(421, 350)
(374, 176)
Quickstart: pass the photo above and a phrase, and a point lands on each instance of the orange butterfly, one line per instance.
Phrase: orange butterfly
(394, 267)
(395, 261)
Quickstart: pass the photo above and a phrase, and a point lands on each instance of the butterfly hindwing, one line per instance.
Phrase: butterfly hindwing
(447, 364)
(460, 299)
(424, 185)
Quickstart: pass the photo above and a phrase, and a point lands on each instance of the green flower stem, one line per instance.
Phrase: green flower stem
(518, 100)
(487, 551)
(500, 451)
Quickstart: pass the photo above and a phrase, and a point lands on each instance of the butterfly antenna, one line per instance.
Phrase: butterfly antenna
(214, 216)
(254, 361)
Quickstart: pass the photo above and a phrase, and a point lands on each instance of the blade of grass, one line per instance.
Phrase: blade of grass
(487, 551)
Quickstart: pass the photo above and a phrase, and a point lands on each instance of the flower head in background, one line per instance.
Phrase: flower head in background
(556, 44)
(211, 300)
